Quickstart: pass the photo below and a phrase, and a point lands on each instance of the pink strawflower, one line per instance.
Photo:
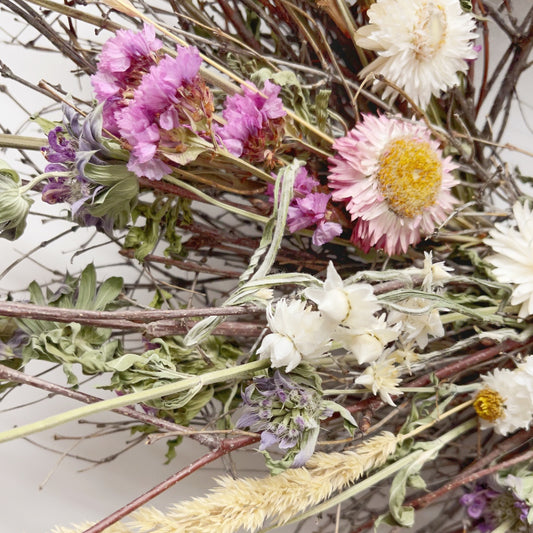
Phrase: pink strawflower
(170, 99)
(124, 60)
(254, 124)
(394, 181)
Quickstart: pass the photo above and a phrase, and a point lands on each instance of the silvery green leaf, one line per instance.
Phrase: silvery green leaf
(14, 205)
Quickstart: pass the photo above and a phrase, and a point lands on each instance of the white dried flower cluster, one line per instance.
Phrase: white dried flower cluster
(513, 260)
(505, 401)
(421, 45)
(349, 316)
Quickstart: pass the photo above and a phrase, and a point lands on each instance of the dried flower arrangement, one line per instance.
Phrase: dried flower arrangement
(338, 262)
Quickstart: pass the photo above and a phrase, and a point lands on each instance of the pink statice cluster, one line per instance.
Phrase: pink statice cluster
(151, 100)
(124, 60)
(309, 208)
(254, 123)
(171, 100)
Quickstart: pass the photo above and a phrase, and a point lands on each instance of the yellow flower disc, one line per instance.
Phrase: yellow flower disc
(489, 405)
(409, 176)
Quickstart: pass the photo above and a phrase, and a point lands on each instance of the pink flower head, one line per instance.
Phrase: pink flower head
(170, 97)
(311, 211)
(125, 58)
(308, 208)
(254, 123)
(394, 181)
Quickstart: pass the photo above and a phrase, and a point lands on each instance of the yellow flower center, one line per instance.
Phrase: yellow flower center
(430, 33)
(409, 176)
(489, 405)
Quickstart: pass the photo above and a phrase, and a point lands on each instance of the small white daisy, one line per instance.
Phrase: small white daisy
(434, 273)
(514, 256)
(421, 44)
(367, 344)
(297, 333)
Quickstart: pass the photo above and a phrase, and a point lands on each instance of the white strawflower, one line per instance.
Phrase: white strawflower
(297, 333)
(352, 305)
(381, 377)
(418, 323)
(367, 344)
(421, 44)
(514, 256)
(505, 401)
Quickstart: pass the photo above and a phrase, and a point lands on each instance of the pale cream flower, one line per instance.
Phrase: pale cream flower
(418, 322)
(297, 333)
(381, 377)
(367, 344)
(421, 45)
(514, 256)
(505, 401)
(352, 305)
(405, 357)
(434, 273)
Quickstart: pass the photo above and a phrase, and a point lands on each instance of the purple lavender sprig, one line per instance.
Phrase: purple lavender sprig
(78, 149)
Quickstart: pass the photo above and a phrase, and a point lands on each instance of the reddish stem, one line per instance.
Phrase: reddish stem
(448, 371)
(226, 446)
(458, 481)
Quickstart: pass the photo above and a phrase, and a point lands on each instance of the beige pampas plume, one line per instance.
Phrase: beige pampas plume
(250, 502)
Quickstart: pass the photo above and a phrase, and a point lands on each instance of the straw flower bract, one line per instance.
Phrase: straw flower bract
(381, 377)
(352, 305)
(421, 45)
(419, 321)
(297, 333)
(394, 182)
(513, 260)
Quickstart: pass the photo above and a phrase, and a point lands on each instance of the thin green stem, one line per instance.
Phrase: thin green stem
(232, 209)
(188, 384)
(42, 177)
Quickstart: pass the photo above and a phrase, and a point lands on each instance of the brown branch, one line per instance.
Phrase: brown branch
(226, 446)
(523, 44)
(164, 328)
(34, 19)
(190, 266)
(129, 318)
(463, 479)
(15, 376)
